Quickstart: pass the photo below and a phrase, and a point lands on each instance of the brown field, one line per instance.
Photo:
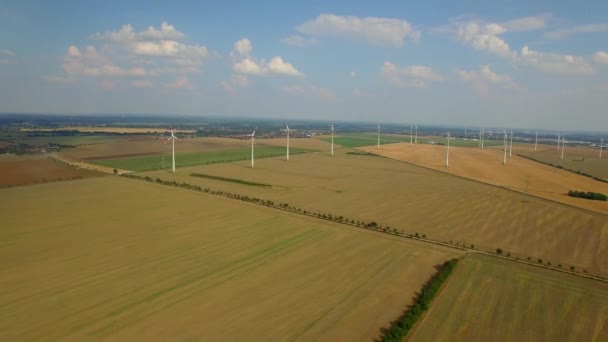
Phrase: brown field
(150, 146)
(88, 129)
(581, 159)
(309, 143)
(415, 199)
(520, 174)
(161, 263)
(488, 299)
(23, 170)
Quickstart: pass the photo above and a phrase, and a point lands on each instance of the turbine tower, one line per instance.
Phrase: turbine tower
(378, 136)
(416, 140)
(172, 138)
(536, 142)
(601, 145)
(332, 139)
(558, 138)
(483, 137)
(252, 135)
(511, 146)
(447, 156)
(563, 146)
(287, 130)
(411, 134)
(504, 158)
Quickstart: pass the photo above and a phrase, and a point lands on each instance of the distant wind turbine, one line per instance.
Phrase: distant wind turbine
(416, 140)
(601, 145)
(536, 142)
(447, 156)
(483, 137)
(511, 146)
(504, 158)
(411, 136)
(252, 135)
(287, 130)
(558, 139)
(332, 139)
(378, 136)
(563, 146)
(172, 138)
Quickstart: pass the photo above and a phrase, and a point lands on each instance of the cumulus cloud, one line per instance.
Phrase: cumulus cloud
(567, 32)
(482, 79)
(414, 76)
(321, 92)
(298, 40)
(487, 37)
(7, 56)
(236, 81)
(129, 53)
(180, 82)
(374, 30)
(555, 63)
(243, 63)
(600, 57)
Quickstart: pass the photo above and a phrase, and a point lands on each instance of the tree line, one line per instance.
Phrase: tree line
(596, 196)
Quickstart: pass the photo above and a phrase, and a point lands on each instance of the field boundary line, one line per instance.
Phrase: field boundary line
(257, 201)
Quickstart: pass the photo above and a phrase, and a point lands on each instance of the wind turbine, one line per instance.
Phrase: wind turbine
(172, 138)
(511, 145)
(332, 139)
(411, 129)
(378, 136)
(601, 145)
(558, 138)
(416, 140)
(479, 138)
(252, 135)
(483, 137)
(447, 156)
(536, 142)
(287, 130)
(504, 158)
(563, 146)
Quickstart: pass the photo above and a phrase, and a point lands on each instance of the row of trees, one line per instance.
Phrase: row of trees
(401, 327)
(597, 196)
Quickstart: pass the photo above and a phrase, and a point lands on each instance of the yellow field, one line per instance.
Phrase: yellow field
(414, 199)
(118, 259)
(577, 159)
(518, 174)
(488, 299)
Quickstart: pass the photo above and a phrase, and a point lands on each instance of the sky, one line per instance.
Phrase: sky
(519, 64)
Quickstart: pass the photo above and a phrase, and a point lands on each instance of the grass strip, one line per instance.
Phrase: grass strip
(230, 180)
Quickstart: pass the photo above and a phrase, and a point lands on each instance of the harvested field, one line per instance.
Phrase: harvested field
(151, 145)
(307, 143)
(63, 140)
(90, 129)
(24, 170)
(585, 160)
(415, 199)
(163, 162)
(186, 268)
(520, 174)
(488, 299)
(371, 139)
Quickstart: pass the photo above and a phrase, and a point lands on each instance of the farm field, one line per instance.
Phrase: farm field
(21, 138)
(371, 139)
(150, 145)
(30, 169)
(186, 268)
(585, 160)
(163, 162)
(415, 199)
(107, 129)
(488, 299)
(520, 174)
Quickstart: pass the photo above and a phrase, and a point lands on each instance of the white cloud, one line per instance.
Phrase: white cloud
(126, 34)
(180, 82)
(321, 92)
(298, 40)
(564, 33)
(526, 23)
(555, 63)
(234, 82)
(485, 37)
(600, 57)
(414, 76)
(142, 84)
(353, 74)
(482, 79)
(243, 63)
(7, 56)
(243, 47)
(374, 30)
(90, 62)
(7, 53)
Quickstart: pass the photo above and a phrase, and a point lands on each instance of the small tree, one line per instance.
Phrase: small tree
(499, 251)
(115, 171)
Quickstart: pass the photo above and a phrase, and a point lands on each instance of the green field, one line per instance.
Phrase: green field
(370, 139)
(157, 263)
(23, 138)
(487, 299)
(160, 162)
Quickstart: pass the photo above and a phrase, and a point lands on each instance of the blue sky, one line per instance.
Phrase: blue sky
(541, 64)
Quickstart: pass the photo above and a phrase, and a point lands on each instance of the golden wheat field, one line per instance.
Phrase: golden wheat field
(414, 199)
(118, 259)
(519, 174)
(489, 299)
